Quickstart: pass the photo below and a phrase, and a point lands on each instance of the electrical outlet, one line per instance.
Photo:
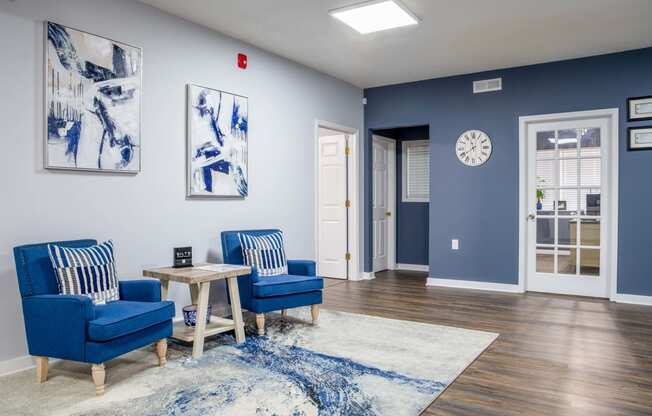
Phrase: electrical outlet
(455, 244)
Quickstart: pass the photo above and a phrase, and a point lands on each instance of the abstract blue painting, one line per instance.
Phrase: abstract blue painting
(217, 143)
(92, 101)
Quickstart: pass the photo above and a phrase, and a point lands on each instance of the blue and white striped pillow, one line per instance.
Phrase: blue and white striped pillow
(88, 271)
(266, 252)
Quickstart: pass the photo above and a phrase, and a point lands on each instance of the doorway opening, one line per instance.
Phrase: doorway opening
(336, 201)
(569, 203)
(400, 198)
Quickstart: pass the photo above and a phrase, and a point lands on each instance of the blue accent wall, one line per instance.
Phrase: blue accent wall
(480, 205)
(411, 217)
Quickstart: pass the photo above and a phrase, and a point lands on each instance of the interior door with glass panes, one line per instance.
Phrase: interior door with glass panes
(567, 165)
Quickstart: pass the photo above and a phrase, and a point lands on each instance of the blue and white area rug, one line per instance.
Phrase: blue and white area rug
(348, 365)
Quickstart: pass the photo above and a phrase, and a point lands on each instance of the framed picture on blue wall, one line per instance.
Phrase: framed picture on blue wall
(639, 108)
(217, 143)
(93, 89)
(640, 138)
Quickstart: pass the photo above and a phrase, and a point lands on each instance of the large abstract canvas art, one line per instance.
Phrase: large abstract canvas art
(217, 143)
(92, 102)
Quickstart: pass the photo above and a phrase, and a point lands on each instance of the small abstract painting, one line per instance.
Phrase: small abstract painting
(92, 102)
(217, 143)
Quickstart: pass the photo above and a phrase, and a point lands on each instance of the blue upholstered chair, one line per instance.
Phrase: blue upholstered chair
(73, 328)
(301, 287)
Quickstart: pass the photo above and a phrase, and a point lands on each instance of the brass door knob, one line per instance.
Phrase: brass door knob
(388, 214)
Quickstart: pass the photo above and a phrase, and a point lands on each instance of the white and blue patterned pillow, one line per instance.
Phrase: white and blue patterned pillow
(88, 271)
(266, 252)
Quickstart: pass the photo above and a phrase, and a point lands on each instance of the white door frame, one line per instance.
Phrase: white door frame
(391, 201)
(353, 192)
(611, 115)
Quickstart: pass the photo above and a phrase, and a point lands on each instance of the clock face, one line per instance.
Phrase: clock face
(473, 148)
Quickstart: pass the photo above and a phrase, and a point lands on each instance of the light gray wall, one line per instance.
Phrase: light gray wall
(147, 215)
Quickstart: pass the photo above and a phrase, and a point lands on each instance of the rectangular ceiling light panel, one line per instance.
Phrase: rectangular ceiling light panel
(374, 16)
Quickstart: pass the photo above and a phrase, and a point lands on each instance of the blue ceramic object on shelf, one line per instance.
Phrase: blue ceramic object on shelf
(190, 314)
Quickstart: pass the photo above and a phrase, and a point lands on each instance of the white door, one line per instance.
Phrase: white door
(568, 200)
(332, 210)
(383, 201)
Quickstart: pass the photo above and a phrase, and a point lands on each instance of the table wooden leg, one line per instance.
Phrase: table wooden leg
(194, 293)
(236, 310)
(200, 326)
(165, 284)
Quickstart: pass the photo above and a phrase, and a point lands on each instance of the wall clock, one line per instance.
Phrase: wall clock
(473, 148)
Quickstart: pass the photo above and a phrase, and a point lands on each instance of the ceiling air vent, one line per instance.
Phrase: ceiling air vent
(487, 85)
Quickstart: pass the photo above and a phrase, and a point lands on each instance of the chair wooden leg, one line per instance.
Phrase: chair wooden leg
(161, 351)
(284, 312)
(41, 369)
(260, 323)
(98, 373)
(314, 310)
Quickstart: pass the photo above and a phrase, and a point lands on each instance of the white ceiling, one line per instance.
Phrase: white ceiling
(454, 37)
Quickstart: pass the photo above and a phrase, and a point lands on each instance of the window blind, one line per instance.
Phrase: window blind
(416, 171)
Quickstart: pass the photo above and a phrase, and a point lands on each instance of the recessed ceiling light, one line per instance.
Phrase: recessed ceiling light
(375, 15)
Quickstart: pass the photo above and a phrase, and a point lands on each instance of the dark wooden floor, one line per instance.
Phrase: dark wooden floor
(556, 355)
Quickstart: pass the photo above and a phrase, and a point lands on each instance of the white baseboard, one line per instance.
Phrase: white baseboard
(467, 284)
(413, 267)
(17, 364)
(363, 276)
(633, 299)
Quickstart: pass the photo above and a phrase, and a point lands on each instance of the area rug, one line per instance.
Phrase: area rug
(353, 365)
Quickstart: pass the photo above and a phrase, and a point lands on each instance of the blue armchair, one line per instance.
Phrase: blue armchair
(300, 287)
(73, 328)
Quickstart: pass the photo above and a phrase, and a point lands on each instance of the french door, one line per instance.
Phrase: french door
(568, 199)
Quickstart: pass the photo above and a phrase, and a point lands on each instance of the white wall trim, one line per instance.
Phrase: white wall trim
(363, 276)
(468, 284)
(355, 265)
(611, 114)
(16, 365)
(632, 299)
(413, 267)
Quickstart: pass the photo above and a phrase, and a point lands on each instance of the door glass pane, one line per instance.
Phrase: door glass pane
(590, 142)
(545, 231)
(545, 260)
(545, 144)
(568, 172)
(590, 233)
(590, 262)
(565, 231)
(590, 201)
(568, 202)
(567, 140)
(545, 171)
(591, 172)
(566, 260)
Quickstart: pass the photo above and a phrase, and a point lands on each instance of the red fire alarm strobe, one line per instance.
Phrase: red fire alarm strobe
(242, 61)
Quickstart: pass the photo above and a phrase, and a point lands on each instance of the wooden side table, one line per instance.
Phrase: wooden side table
(199, 280)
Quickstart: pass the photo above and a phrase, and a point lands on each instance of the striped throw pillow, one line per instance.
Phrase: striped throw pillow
(88, 271)
(266, 252)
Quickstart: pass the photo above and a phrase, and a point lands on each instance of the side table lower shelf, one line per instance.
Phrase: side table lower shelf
(217, 325)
